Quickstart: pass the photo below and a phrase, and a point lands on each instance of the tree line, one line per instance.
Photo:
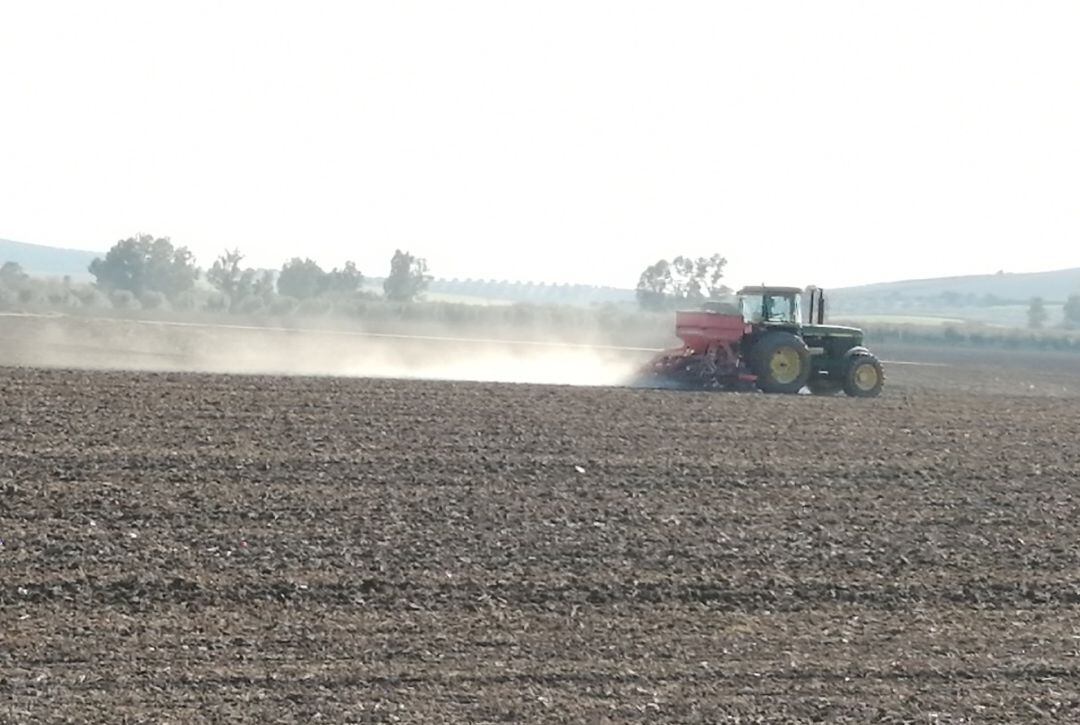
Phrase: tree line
(1038, 316)
(152, 271)
(974, 335)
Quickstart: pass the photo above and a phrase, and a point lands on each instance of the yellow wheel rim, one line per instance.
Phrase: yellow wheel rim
(866, 376)
(785, 365)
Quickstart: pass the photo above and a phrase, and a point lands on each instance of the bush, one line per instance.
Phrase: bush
(186, 301)
(122, 299)
(217, 302)
(283, 305)
(252, 306)
(152, 300)
(65, 299)
(91, 298)
(314, 307)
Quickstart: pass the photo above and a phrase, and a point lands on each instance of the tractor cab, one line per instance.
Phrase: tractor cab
(773, 307)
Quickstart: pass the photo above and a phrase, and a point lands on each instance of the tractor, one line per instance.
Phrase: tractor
(761, 342)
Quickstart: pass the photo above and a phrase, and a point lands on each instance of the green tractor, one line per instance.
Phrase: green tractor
(787, 354)
(762, 341)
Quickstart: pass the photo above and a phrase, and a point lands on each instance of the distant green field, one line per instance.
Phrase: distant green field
(992, 316)
(929, 320)
(375, 287)
(464, 299)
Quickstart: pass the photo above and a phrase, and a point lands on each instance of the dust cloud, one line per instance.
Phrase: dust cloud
(116, 344)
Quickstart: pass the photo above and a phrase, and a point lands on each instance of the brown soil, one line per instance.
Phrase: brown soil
(180, 546)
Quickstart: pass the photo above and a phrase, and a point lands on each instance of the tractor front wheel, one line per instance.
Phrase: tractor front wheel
(781, 362)
(864, 378)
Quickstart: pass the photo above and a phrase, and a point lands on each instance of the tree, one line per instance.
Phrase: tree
(408, 277)
(654, 286)
(682, 280)
(242, 288)
(257, 283)
(710, 270)
(143, 264)
(344, 281)
(302, 279)
(225, 274)
(1036, 313)
(12, 273)
(1072, 311)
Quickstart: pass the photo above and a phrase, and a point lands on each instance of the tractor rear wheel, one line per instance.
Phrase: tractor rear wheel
(864, 378)
(781, 362)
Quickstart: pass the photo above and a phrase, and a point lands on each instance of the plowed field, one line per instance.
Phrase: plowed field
(207, 547)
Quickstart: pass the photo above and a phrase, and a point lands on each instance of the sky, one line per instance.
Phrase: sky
(828, 143)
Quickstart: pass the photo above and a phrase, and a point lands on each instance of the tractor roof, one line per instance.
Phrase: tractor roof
(765, 289)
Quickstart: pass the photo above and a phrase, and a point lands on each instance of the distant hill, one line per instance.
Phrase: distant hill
(1056, 285)
(999, 299)
(42, 261)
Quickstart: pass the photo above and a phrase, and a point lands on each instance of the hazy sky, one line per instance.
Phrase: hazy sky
(808, 142)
